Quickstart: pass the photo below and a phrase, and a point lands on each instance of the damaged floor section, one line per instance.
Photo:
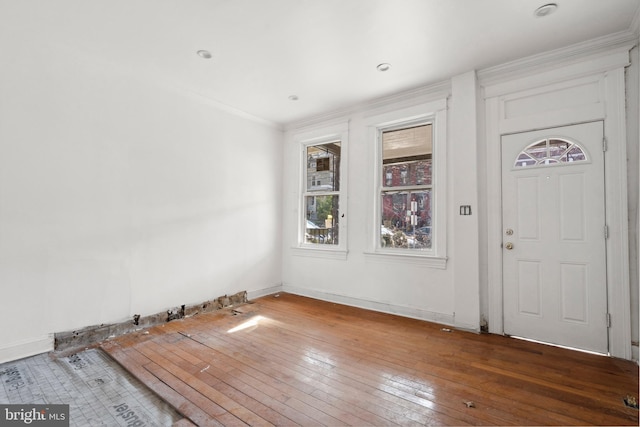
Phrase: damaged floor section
(95, 387)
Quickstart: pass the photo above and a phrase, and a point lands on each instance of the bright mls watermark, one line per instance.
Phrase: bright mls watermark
(34, 415)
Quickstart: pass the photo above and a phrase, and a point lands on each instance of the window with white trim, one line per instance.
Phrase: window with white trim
(409, 220)
(405, 193)
(322, 203)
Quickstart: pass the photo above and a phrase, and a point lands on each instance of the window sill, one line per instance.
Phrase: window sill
(319, 252)
(429, 261)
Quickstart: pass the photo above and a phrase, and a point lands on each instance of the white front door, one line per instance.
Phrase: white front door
(554, 254)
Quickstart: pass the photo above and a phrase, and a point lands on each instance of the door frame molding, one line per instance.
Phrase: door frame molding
(604, 73)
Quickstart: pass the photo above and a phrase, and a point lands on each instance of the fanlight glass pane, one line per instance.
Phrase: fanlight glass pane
(525, 160)
(538, 151)
(558, 147)
(550, 152)
(576, 154)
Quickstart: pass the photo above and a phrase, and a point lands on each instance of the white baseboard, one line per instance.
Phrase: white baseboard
(414, 313)
(26, 348)
(263, 292)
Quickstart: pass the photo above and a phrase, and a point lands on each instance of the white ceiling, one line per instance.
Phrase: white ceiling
(323, 51)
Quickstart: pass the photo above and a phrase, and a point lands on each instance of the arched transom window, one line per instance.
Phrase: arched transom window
(550, 151)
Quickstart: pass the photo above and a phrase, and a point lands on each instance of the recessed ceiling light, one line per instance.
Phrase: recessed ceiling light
(293, 97)
(204, 54)
(545, 10)
(383, 67)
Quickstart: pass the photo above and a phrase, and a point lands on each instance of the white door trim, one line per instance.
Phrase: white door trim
(612, 112)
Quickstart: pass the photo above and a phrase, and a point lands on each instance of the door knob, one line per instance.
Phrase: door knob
(508, 245)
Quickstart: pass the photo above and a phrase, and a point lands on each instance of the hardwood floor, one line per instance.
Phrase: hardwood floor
(291, 360)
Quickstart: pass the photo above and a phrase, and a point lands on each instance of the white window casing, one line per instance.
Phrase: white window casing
(304, 140)
(434, 113)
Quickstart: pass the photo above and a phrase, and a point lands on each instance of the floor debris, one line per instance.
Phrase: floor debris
(631, 402)
(446, 330)
(470, 404)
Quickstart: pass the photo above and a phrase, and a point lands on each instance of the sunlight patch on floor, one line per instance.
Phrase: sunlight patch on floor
(251, 323)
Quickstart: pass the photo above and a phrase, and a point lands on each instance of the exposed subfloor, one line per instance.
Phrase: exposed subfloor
(93, 385)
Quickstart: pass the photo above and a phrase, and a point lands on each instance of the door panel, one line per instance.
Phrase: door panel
(528, 205)
(573, 282)
(554, 259)
(572, 208)
(529, 287)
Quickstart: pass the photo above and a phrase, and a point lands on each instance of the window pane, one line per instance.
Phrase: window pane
(558, 147)
(323, 167)
(538, 151)
(406, 156)
(525, 160)
(406, 220)
(322, 219)
(412, 173)
(576, 154)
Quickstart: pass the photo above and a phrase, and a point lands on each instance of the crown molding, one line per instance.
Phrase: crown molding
(228, 109)
(102, 63)
(535, 64)
(421, 95)
(397, 100)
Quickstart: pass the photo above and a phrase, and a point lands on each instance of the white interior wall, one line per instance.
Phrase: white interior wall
(465, 230)
(120, 195)
(402, 286)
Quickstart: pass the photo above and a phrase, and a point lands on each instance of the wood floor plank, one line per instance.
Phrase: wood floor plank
(291, 360)
(218, 401)
(135, 366)
(279, 389)
(203, 401)
(304, 386)
(216, 378)
(357, 381)
(290, 380)
(581, 411)
(497, 416)
(632, 377)
(307, 382)
(234, 386)
(183, 423)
